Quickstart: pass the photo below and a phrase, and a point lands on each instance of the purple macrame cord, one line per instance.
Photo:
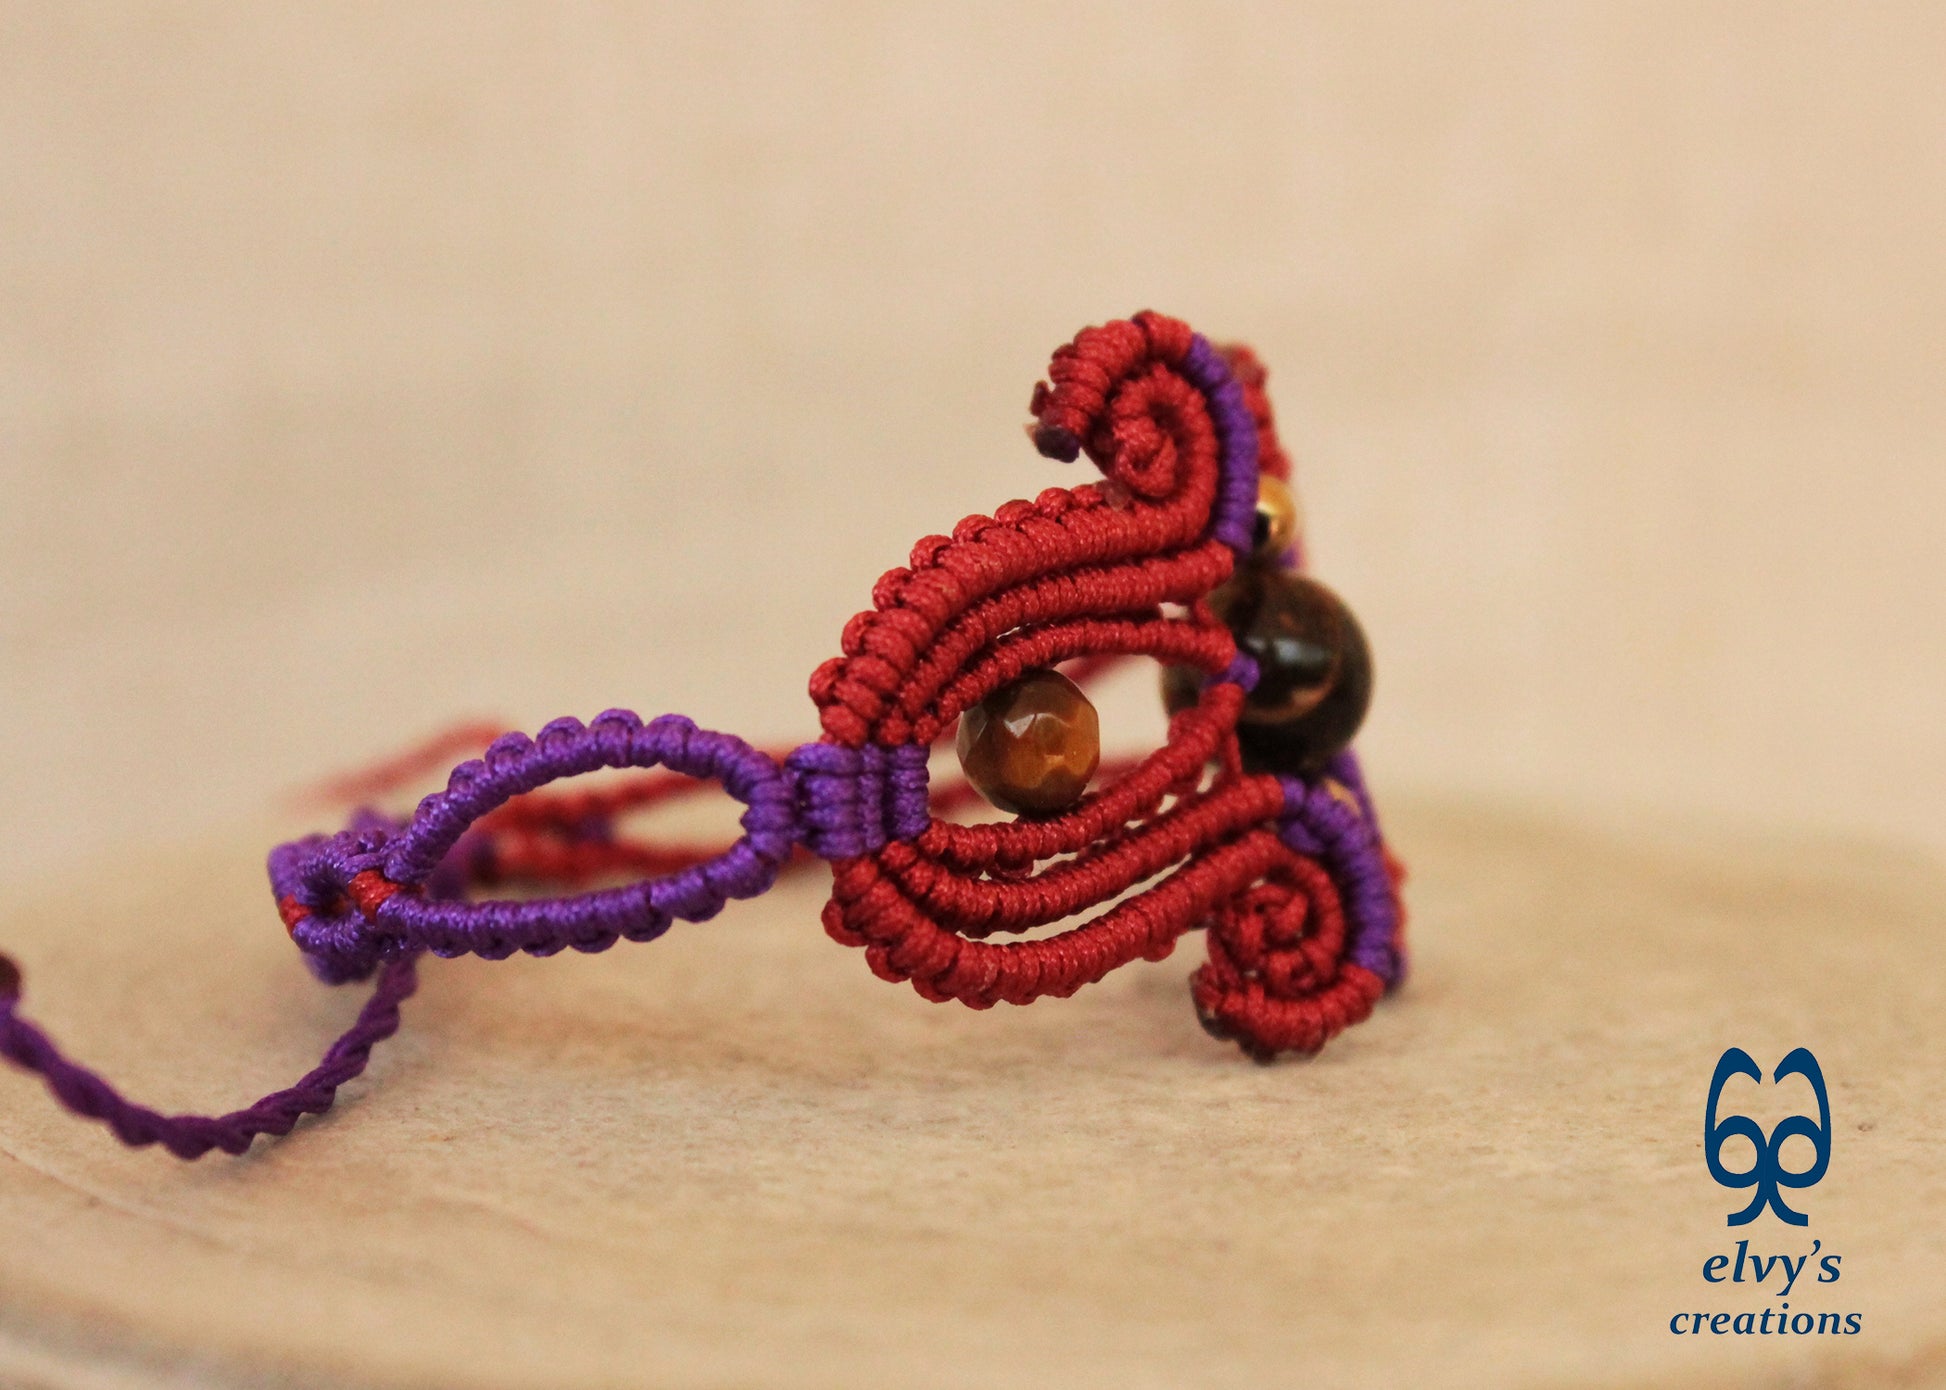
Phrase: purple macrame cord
(192, 1136)
(342, 943)
(1234, 513)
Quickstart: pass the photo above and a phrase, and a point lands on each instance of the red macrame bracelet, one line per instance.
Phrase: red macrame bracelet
(1251, 821)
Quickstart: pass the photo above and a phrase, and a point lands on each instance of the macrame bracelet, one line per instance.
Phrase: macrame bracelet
(1251, 821)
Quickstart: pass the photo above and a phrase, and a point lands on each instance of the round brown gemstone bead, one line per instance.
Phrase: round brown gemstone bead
(1314, 671)
(9, 978)
(1275, 526)
(1030, 747)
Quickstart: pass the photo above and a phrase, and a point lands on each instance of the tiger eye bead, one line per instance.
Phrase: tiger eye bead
(1030, 747)
(1275, 526)
(1314, 671)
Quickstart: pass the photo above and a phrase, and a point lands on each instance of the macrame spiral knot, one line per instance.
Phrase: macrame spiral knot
(1140, 396)
(854, 801)
(1260, 952)
(1307, 952)
(1276, 980)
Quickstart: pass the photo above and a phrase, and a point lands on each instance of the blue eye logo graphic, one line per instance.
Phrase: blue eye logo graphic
(1767, 1172)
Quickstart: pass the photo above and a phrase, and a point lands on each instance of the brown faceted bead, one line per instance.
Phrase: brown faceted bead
(1314, 671)
(1030, 747)
(1275, 526)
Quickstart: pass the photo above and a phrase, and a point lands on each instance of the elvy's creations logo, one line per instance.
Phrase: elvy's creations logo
(1769, 1176)
(1767, 1172)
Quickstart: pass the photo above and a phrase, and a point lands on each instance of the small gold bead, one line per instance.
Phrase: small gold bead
(1277, 518)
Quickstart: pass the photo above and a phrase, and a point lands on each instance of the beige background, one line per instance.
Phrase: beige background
(362, 366)
(345, 349)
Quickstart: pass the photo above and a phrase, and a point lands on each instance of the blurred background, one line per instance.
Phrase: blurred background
(365, 366)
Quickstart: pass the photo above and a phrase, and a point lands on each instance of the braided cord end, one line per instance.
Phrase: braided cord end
(87, 1094)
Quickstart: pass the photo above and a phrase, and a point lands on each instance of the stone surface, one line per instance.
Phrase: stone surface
(735, 1158)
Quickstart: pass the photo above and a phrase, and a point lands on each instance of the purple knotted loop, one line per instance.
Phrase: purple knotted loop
(406, 900)
(1233, 516)
(854, 801)
(1345, 840)
(318, 874)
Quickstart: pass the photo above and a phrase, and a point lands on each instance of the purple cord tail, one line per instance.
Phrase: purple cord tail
(192, 1136)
